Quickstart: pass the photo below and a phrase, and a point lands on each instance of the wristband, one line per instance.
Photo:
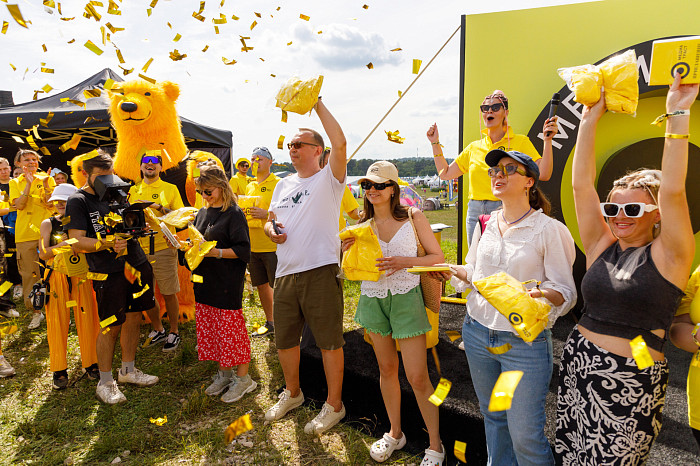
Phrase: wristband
(694, 334)
(437, 155)
(437, 143)
(676, 136)
(221, 253)
(661, 118)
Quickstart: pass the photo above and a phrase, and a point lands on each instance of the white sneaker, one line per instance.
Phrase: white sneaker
(36, 321)
(284, 405)
(137, 378)
(239, 386)
(221, 382)
(109, 393)
(17, 292)
(5, 369)
(326, 419)
(9, 313)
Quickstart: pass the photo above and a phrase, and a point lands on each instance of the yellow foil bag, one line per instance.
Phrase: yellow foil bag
(245, 203)
(527, 315)
(360, 261)
(199, 248)
(585, 81)
(179, 218)
(299, 96)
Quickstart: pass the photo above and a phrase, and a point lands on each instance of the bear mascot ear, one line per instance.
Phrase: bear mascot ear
(171, 90)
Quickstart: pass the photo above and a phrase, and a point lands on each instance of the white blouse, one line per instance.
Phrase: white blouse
(539, 248)
(400, 282)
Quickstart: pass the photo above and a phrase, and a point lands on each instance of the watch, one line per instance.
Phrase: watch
(694, 334)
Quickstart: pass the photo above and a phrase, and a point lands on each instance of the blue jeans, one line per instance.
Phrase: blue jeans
(516, 436)
(476, 208)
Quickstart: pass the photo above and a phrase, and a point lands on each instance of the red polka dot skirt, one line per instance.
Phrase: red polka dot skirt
(222, 335)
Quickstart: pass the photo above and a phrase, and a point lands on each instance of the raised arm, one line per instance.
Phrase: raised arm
(595, 234)
(546, 163)
(674, 249)
(338, 156)
(445, 171)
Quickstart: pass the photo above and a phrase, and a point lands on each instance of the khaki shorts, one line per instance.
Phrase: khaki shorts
(165, 270)
(314, 297)
(262, 267)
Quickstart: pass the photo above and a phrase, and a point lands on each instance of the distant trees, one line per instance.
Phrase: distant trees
(413, 166)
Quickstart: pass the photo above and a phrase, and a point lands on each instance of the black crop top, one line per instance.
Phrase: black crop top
(627, 308)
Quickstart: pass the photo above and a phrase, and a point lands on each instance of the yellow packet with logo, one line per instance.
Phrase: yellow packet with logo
(360, 260)
(245, 203)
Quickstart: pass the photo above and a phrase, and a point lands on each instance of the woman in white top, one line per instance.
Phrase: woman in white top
(523, 241)
(392, 308)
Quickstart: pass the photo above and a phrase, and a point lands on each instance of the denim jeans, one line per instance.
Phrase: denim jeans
(515, 436)
(476, 208)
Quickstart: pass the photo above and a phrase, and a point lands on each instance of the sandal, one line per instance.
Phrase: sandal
(383, 448)
(433, 458)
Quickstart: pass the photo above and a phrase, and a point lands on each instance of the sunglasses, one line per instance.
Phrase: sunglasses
(205, 192)
(506, 170)
(632, 209)
(150, 159)
(298, 144)
(367, 185)
(493, 107)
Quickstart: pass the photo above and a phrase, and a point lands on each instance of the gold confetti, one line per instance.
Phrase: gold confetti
(255, 23)
(113, 8)
(206, 47)
(44, 151)
(146, 78)
(397, 49)
(105, 331)
(216, 29)
(70, 41)
(19, 120)
(144, 68)
(319, 32)
(304, 17)
(365, 6)
(196, 15)
(125, 71)
(120, 57)
(49, 3)
(93, 48)
(113, 29)
(91, 93)
(17, 15)
(90, 12)
(400, 93)
(47, 70)
(8, 255)
(148, 11)
(221, 20)
(45, 121)
(238, 427)
(235, 18)
(67, 19)
(257, 14)
(227, 61)
(18, 139)
(159, 421)
(393, 136)
(13, 67)
(154, 3)
(499, 349)
(143, 290)
(5, 25)
(175, 55)
(246, 49)
(100, 277)
(43, 46)
(5, 287)
(453, 334)
(176, 38)
(47, 88)
(280, 142)
(8, 330)
(416, 65)
(284, 116)
(502, 394)
(640, 353)
(370, 65)
(108, 320)
(460, 450)
(71, 304)
(197, 278)
(289, 43)
(261, 330)
(441, 392)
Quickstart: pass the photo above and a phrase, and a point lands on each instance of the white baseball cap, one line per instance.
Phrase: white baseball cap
(62, 192)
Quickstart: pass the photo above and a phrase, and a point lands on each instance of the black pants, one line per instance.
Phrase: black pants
(696, 433)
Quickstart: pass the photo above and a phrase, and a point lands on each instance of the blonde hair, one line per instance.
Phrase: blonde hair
(649, 180)
(210, 174)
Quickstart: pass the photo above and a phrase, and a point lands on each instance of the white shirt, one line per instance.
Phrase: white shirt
(309, 209)
(402, 244)
(539, 247)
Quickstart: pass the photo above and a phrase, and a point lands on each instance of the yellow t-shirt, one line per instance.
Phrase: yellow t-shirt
(29, 219)
(239, 183)
(690, 304)
(162, 193)
(259, 242)
(347, 204)
(471, 161)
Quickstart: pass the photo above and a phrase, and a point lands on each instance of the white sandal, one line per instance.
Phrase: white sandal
(383, 448)
(433, 458)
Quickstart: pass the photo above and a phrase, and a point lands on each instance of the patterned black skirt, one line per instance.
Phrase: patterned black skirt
(608, 411)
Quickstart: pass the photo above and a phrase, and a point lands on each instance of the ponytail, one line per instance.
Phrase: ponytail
(538, 200)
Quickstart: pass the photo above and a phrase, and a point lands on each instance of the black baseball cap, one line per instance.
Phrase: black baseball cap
(495, 156)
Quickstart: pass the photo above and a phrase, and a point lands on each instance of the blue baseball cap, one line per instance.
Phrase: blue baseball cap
(495, 156)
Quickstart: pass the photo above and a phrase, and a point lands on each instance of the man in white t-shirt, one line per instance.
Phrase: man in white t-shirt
(305, 207)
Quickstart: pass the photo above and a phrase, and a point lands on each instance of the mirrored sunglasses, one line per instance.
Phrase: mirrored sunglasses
(150, 159)
(506, 170)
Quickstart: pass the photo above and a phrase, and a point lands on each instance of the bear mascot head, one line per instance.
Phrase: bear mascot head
(144, 117)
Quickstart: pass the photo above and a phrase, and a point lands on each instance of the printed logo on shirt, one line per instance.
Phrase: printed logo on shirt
(293, 201)
(96, 225)
(154, 196)
(263, 189)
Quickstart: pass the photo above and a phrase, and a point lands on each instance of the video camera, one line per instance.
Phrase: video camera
(115, 192)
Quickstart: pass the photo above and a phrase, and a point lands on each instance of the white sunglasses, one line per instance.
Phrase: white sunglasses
(632, 209)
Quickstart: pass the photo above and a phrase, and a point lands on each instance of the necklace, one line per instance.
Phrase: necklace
(512, 223)
(381, 222)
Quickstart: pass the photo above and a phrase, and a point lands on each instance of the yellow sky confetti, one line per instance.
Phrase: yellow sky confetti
(255, 23)
(238, 427)
(197, 278)
(280, 142)
(5, 25)
(154, 3)
(120, 57)
(43, 46)
(235, 18)
(227, 61)
(143, 290)
(502, 394)
(289, 43)
(148, 11)
(206, 47)
(246, 49)
(45, 121)
(393, 136)
(220, 20)
(14, 68)
(400, 93)
(640, 353)
(70, 41)
(416, 65)
(17, 15)
(257, 14)
(113, 29)
(177, 37)
(304, 17)
(19, 120)
(370, 66)
(18, 139)
(72, 144)
(93, 48)
(67, 19)
(144, 68)
(47, 70)
(49, 3)
(90, 12)
(365, 7)
(441, 392)
(175, 55)
(216, 29)
(284, 116)
(146, 78)
(125, 71)
(47, 88)
(397, 49)
(91, 93)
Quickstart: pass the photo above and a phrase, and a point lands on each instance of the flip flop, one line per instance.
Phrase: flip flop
(383, 448)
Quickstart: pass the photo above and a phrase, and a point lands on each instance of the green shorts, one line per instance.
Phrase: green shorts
(401, 316)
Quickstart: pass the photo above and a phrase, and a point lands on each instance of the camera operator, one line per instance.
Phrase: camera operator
(118, 299)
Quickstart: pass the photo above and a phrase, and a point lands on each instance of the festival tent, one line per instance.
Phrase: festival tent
(46, 124)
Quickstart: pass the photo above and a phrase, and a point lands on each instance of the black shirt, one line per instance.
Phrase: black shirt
(222, 284)
(84, 212)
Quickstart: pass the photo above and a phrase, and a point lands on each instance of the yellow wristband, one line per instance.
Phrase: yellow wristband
(676, 136)
(437, 155)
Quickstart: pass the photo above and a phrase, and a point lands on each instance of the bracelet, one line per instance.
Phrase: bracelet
(694, 333)
(435, 143)
(676, 136)
(437, 155)
(221, 253)
(661, 118)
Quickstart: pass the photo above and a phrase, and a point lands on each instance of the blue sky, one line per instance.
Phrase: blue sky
(241, 97)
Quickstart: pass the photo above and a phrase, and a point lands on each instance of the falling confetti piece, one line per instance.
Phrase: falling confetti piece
(49, 3)
(108, 320)
(393, 136)
(43, 46)
(93, 48)
(5, 25)
(227, 61)
(216, 29)
(499, 349)
(17, 15)
(460, 449)
(47, 88)
(13, 67)
(261, 330)
(235, 18)
(138, 295)
(197, 278)
(148, 11)
(18, 139)
(289, 43)
(441, 391)
(8, 329)
(280, 142)
(416, 65)
(502, 394)
(175, 55)
(5, 287)
(146, 78)
(370, 66)
(400, 93)
(144, 68)
(365, 7)
(640, 353)
(176, 38)
(257, 14)
(397, 49)
(304, 17)
(19, 120)
(47, 70)
(159, 421)
(125, 71)
(284, 116)
(73, 304)
(255, 23)
(205, 48)
(113, 29)
(72, 144)
(238, 427)
(453, 334)
(96, 276)
(154, 3)
(220, 20)
(92, 93)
